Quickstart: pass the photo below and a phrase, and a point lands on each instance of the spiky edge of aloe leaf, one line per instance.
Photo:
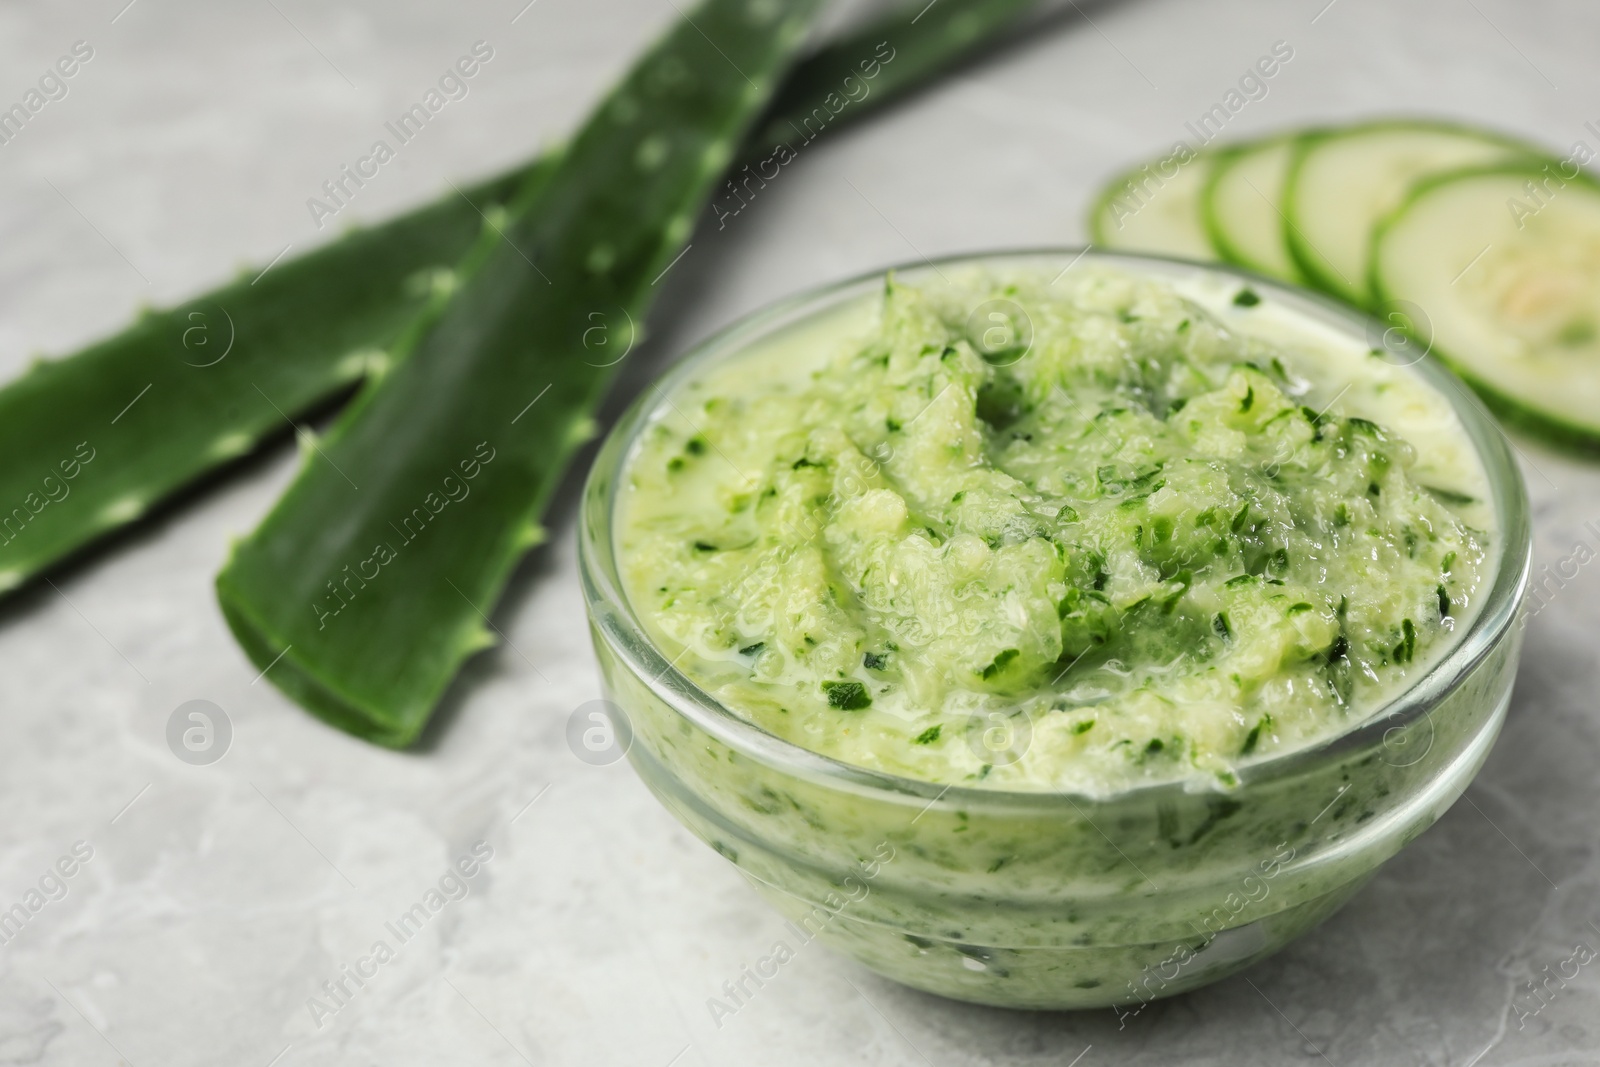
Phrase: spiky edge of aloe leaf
(154, 408)
(592, 242)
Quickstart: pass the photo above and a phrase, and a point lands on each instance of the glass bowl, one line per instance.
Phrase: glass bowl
(1048, 899)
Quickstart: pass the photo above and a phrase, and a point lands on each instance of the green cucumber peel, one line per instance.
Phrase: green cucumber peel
(1223, 229)
(159, 411)
(1224, 158)
(369, 583)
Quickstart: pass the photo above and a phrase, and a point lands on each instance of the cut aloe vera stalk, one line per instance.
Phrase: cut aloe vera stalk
(1342, 183)
(209, 379)
(1499, 268)
(370, 582)
(1243, 207)
(1156, 208)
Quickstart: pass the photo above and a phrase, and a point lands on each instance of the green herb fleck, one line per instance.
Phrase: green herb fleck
(1450, 496)
(930, 735)
(1253, 738)
(846, 696)
(1246, 298)
(1406, 649)
(1001, 659)
(875, 661)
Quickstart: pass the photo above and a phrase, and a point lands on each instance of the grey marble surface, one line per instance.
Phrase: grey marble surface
(217, 899)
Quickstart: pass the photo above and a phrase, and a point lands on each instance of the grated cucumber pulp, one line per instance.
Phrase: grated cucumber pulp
(1083, 534)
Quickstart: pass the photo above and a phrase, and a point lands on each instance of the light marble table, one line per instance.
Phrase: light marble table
(218, 898)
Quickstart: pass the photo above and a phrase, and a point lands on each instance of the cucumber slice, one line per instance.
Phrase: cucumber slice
(1499, 268)
(1242, 206)
(1156, 208)
(1343, 182)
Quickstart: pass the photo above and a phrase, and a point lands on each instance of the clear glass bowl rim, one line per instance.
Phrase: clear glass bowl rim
(602, 585)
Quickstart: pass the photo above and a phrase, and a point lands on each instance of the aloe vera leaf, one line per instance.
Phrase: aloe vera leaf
(368, 584)
(918, 41)
(92, 441)
(307, 330)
